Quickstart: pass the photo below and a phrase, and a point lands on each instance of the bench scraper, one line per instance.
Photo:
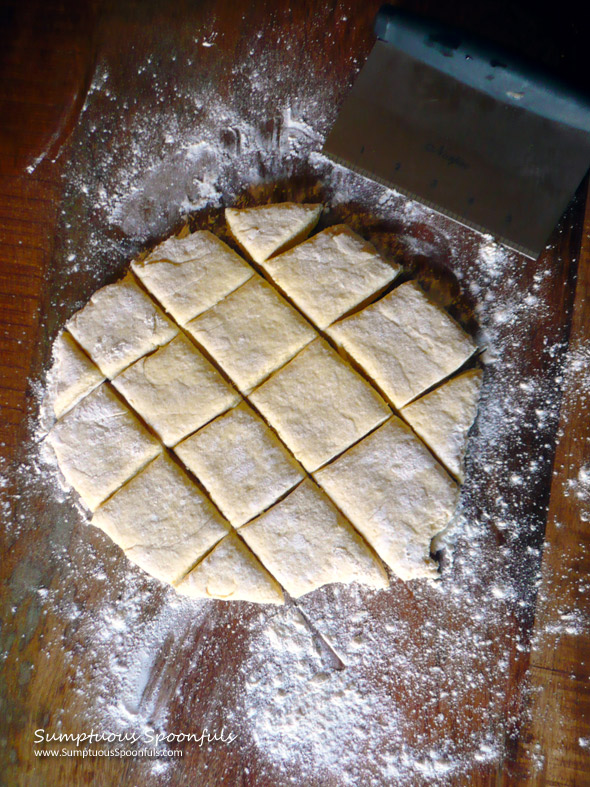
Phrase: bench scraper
(470, 130)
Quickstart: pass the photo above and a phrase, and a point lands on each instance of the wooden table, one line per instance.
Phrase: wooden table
(48, 60)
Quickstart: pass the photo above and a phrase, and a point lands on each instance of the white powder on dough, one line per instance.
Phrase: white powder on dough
(431, 658)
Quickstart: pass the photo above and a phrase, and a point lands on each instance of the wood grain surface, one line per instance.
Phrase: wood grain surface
(48, 56)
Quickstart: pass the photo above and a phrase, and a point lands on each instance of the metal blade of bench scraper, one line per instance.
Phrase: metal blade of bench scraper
(496, 168)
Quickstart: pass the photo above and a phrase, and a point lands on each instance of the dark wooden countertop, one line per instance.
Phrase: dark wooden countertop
(48, 55)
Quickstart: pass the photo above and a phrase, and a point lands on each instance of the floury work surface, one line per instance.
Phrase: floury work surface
(423, 683)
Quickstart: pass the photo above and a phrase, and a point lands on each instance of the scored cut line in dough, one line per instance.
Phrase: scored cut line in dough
(269, 229)
(162, 520)
(251, 333)
(444, 417)
(396, 495)
(404, 342)
(241, 463)
(305, 542)
(231, 572)
(189, 275)
(100, 444)
(331, 273)
(119, 324)
(319, 405)
(176, 390)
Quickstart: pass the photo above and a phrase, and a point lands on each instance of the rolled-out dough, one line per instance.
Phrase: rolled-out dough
(404, 342)
(176, 390)
(444, 417)
(119, 324)
(305, 542)
(162, 520)
(319, 405)
(73, 375)
(230, 572)
(396, 494)
(269, 229)
(241, 462)
(331, 273)
(241, 385)
(252, 332)
(189, 275)
(100, 444)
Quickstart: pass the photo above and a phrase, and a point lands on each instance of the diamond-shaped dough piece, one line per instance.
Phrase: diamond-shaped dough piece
(444, 417)
(189, 275)
(100, 444)
(305, 542)
(404, 342)
(241, 462)
(331, 273)
(162, 520)
(396, 494)
(119, 324)
(319, 405)
(72, 375)
(252, 332)
(176, 390)
(267, 229)
(232, 573)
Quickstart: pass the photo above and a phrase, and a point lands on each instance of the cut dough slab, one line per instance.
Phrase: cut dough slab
(241, 462)
(176, 390)
(73, 375)
(119, 324)
(268, 229)
(232, 573)
(396, 495)
(305, 542)
(189, 275)
(404, 342)
(100, 444)
(251, 333)
(444, 417)
(380, 481)
(162, 520)
(331, 273)
(319, 405)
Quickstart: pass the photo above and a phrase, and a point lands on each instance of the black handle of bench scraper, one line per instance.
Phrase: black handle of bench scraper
(484, 66)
